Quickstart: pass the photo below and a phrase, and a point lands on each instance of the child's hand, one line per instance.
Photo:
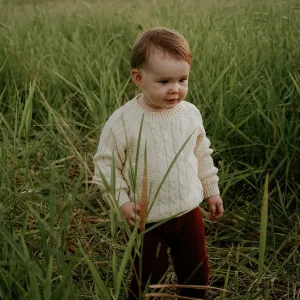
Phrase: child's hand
(128, 211)
(215, 205)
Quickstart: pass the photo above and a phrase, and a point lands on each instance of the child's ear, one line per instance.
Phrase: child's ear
(137, 77)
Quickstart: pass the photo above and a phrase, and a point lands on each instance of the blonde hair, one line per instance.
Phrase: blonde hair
(167, 40)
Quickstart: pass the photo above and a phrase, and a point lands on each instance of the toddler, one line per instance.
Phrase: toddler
(160, 65)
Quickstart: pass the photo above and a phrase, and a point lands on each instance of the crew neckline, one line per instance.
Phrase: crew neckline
(158, 116)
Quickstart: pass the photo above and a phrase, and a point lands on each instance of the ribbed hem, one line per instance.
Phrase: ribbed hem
(210, 190)
(159, 116)
(122, 197)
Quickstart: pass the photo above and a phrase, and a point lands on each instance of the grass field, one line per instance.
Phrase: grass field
(64, 68)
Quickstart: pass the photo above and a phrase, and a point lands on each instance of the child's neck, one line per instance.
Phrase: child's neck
(145, 106)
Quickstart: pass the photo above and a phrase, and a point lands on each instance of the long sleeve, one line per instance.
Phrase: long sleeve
(111, 143)
(207, 172)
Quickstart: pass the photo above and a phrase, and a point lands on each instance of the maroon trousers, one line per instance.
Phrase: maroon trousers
(186, 238)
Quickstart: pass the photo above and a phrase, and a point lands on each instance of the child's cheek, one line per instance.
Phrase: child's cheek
(184, 90)
(159, 91)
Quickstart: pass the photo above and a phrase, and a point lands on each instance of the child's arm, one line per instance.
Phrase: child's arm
(112, 144)
(207, 173)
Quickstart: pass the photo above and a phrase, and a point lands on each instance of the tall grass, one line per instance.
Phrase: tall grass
(63, 70)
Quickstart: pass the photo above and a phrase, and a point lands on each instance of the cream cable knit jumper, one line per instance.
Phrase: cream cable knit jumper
(192, 178)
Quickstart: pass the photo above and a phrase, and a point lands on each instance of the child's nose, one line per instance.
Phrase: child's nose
(174, 89)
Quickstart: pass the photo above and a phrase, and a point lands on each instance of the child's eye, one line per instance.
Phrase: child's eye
(163, 81)
(182, 80)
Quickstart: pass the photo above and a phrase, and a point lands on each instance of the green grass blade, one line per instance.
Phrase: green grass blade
(125, 259)
(34, 290)
(114, 268)
(138, 153)
(27, 112)
(263, 229)
(48, 283)
(8, 237)
(3, 119)
(100, 286)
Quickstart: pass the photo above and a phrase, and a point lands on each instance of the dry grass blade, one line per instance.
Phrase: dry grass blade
(168, 296)
(199, 287)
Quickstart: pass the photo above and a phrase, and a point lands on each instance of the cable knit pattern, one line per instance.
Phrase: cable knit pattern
(192, 178)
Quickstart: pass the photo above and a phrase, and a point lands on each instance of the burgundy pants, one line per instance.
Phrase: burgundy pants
(185, 236)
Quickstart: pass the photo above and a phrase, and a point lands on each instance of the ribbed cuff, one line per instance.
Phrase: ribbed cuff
(210, 190)
(122, 197)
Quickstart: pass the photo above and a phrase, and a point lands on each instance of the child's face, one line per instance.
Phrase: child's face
(164, 81)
